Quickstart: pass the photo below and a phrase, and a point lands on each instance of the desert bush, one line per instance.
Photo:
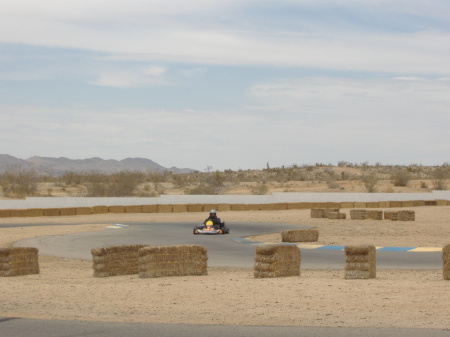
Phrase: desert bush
(19, 182)
(259, 189)
(440, 176)
(370, 181)
(400, 177)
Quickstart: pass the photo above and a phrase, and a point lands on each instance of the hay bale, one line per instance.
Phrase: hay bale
(181, 260)
(251, 207)
(277, 261)
(430, 203)
(164, 208)
(266, 207)
(357, 214)
(409, 203)
(19, 213)
(360, 262)
(347, 205)
(385, 204)
(223, 207)
(334, 205)
(280, 206)
(373, 215)
(180, 208)
(5, 213)
(442, 202)
(237, 207)
(51, 212)
(208, 207)
(418, 203)
(359, 205)
(299, 205)
(33, 212)
(317, 213)
(148, 208)
(406, 215)
(133, 209)
(372, 205)
(84, 210)
(391, 215)
(396, 204)
(116, 209)
(67, 211)
(336, 215)
(300, 235)
(195, 208)
(446, 262)
(18, 261)
(99, 209)
(116, 260)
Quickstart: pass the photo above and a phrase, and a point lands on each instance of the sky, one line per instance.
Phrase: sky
(227, 84)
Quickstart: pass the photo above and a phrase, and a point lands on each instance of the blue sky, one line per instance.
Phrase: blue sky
(227, 84)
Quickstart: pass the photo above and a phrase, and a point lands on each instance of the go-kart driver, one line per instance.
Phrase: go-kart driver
(213, 217)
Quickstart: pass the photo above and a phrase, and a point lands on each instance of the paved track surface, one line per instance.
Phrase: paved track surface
(10, 327)
(227, 250)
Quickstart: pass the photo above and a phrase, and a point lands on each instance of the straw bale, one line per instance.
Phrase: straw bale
(266, 207)
(346, 205)
(279, 206)
(391, 215)
(337, 215)
(446, 262)
(18, 261)
(396, 204)
(442, 202)
(148, 208)
(277, 261)
(133, 209)
(385, 204)
(99, 209)
(66, 211)
(334, 205)
(32, 212)
(164, 208)
(84, 210)
(317, 213)
(223, 207)
(180, 208)
(18, 212)
(116, 260)
(208, 207)
(116, 209)
(408, 203)
(299, 205)
(237, 207)
(357, 214)
(360, 262)
(373, 215)
(430, 203)
(5, 213)
(195, 208)
(51, 212)
(181, 260)
(252, 207)
(372, 204)
(406, 215)
(419, 203)
(359, 205)
(300, 235)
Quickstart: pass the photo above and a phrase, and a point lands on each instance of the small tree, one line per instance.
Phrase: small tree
(370, 181)
(400, 178)
(440, 176)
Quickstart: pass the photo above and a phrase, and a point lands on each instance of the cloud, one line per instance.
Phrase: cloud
(127, 78)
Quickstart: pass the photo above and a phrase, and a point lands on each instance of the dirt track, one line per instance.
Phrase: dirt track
(65, 289)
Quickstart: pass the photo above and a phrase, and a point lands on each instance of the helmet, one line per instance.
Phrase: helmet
(209, 223)
(212, 212)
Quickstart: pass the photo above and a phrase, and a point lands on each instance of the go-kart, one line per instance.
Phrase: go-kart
(210, 229)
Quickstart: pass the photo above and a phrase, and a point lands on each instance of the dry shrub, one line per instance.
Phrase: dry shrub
(277, 261)
(360, 262)
(18, 261)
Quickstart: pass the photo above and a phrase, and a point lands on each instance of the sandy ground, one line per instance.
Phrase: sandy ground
(66, 289)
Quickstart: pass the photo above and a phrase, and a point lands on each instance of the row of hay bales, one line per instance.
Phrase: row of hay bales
(150, 261)
(186, 260)
(331, 208)
(364, 214)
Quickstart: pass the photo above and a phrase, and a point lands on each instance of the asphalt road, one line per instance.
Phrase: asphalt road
(229, 250)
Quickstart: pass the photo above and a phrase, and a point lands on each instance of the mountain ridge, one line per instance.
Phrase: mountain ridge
(58, 166)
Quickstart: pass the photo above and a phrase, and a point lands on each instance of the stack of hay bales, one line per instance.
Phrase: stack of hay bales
(148, 208)
(446, 262)
(300, 235)
(322, 212)
(400, 215)
(373, 215)
(18, 261)
(84, 210)
(180, 208)
(116, 260)
(182, 260)
(116, 209)
(357, 214)
(99, 209)
(133, 209)
(360, 262)
(277, 261)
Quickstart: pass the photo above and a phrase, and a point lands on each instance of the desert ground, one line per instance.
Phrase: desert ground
(66, 289)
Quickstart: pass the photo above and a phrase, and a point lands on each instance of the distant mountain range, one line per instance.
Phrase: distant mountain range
(57, 166)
